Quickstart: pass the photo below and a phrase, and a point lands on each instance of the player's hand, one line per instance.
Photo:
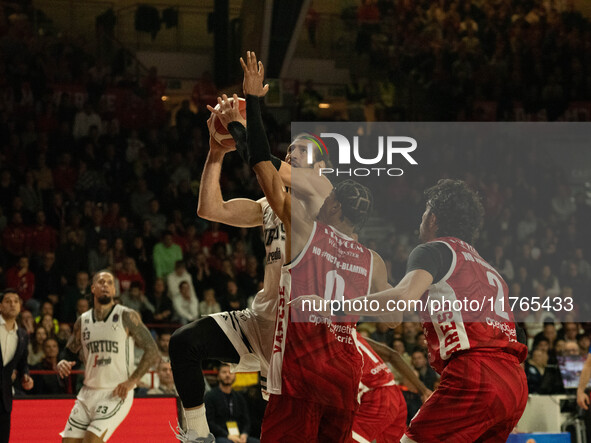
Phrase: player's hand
(311, 303)
(234, 438)
(216, 146)
(425, 395)
(64, 368)
(229, 111)
(27, 382)
(583, 400)
(254, 73)
(123, 388)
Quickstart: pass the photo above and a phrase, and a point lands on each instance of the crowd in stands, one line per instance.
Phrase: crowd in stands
(453, 53)
(81, 191)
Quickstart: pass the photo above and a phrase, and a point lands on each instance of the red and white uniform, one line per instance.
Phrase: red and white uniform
(314, 359)
(484, 329)
(483, 390)
(382, 412)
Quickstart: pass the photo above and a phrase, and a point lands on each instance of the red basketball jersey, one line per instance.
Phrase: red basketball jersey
(375, 373)
(483, 323)
(314, 358)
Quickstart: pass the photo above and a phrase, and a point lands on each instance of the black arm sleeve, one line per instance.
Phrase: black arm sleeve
(238, 133)
(258, 145)
(434, 257)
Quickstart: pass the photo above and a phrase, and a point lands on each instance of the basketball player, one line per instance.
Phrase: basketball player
(106, 335)
(483, 389)
(316, 366)
(242, 337)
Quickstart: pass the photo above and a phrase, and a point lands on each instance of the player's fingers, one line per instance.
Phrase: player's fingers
(235, 104)
(261, 69)
(266, 88)
(242, 64)
(210, 109)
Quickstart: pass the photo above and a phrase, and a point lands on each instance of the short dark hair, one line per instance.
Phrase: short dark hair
(9, 291)
(102, 271)
(356, 201)
(458, 209)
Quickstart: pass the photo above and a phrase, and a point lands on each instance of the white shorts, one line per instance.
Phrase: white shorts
(97, 411)
(252, 337)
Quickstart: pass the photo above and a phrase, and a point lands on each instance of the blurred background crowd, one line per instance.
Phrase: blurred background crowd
(85, 187)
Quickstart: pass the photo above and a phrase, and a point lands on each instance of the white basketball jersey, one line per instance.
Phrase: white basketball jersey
(108, 350)
(265, 302)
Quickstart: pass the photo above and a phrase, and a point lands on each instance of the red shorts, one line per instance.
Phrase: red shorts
(381, 416)
(481, 397)
(295, 420)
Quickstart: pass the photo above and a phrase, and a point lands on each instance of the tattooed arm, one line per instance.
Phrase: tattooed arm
(143, 339)
(71, 351)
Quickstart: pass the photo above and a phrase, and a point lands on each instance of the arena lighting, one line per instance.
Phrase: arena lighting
(324, 105)
(164, 98)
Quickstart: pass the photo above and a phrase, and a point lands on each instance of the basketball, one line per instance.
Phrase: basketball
(218, 131)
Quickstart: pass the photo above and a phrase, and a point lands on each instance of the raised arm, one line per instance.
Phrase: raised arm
(143, 340)
(240, 212)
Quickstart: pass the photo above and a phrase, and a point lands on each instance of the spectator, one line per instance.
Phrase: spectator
(571, 348)
(136, 300)
(209, 305)
(36, 353)
(224, 405)
(42, 237)
(74, 293)
(383, 334)
(14, 237)
(165, 255)
(71, 259)
(179, 275)
(129, 274)
(23, 280)
(157, 219)
(426, 374)
(47, 309)
(185, 304)
(163, 341)
(84, 120)
(27, 322)
(541, 379)
(569, 331)
(140, 199)
(49, 384)
(63, 335)
(99, 258)
(82, 305)
(163, 310)
(166, 385)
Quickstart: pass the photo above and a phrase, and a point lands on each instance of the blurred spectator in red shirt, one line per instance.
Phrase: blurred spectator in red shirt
(128, 274)
(213, 236)
(42, 237)
(14, 237)
(22, 279)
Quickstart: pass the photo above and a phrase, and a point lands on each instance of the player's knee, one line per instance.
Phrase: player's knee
(187, 340)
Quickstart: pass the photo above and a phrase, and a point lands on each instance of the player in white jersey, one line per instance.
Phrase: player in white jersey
(105, 336)
(243, 338)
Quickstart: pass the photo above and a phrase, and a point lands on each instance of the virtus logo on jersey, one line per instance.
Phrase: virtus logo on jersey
(390, 148)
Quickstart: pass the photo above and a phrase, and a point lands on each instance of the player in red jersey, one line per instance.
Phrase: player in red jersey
(316, 365)
(483, 389)
(382, 412)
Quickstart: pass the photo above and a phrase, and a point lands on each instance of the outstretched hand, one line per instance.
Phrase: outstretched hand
(254, 73)
(229, 110)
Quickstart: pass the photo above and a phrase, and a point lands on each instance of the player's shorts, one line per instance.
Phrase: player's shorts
(97, 411)
(481, 397)
(295, 420)
(380, 417)
(246, 330)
